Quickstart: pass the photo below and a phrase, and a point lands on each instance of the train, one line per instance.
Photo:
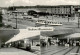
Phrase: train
(21, 44)
(25, 44)
(52, 23)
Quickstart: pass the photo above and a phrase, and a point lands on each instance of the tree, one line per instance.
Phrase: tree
(12, 8)
(0, 18)
(43, 13)
(1, 24)
(32, 12)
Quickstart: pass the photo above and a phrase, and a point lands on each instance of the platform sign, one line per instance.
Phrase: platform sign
(40, 28)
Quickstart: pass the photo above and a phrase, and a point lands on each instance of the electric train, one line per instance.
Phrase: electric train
(48, 22)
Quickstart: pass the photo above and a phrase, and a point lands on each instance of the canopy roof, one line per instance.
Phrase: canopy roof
(24, 33)
(75, 35)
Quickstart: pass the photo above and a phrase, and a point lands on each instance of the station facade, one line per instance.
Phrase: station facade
(61, 10)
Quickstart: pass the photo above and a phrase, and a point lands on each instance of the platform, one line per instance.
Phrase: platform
(14, 51)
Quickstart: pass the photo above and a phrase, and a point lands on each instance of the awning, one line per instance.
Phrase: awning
(24, 33)
(75, 35)
(57, 32)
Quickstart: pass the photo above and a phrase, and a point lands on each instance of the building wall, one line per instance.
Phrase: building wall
(56, 10)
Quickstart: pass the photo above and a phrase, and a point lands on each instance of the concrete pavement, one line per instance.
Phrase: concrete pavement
(14, 51)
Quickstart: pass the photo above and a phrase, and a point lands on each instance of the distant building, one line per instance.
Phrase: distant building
(61, 10)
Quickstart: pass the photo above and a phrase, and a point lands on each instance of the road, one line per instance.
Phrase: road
(23, 23)
(20, 26)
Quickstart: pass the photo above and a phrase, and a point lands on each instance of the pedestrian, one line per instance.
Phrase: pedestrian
(49, 41)
(46, 41)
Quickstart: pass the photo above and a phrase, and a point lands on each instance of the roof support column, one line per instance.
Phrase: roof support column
(67, 40)
(32, 42)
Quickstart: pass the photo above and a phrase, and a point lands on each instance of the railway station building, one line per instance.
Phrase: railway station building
(61, 10)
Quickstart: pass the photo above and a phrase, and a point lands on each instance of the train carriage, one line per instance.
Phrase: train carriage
(49, 22)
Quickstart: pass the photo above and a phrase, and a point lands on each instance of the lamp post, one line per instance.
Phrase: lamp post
(78, 22)
(15, 14)
(16, 20)
(78, 17)
(68, 19)
(46, 22)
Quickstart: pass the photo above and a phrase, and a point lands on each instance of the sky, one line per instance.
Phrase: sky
(6, 3)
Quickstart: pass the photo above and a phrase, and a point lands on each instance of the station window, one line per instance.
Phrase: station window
(55, 22)
(48, 22)
(60, 23)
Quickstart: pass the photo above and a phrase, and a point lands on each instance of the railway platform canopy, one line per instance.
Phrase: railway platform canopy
(9, 37)
(24, 34)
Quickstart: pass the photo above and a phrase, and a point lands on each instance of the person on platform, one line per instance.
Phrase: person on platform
(49, 41)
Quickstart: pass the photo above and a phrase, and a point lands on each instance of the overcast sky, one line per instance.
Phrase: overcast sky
(4, 3)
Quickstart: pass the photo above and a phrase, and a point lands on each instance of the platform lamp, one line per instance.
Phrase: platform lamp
(16, 20)
(45, 21)
(15, 15)
(78, 17)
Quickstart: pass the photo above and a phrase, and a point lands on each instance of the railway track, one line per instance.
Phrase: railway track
(62, 51)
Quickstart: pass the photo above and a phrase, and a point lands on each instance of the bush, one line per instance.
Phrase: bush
(8, 26)
(12, 8)
(32, 12)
